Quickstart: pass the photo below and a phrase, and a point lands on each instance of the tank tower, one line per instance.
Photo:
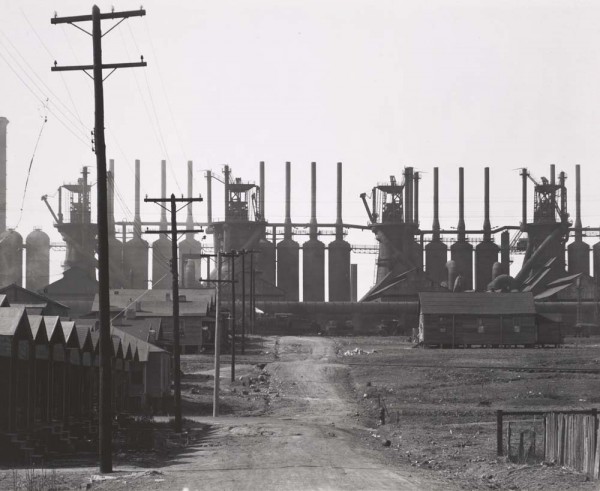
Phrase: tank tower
(313, 251)
(288, 250)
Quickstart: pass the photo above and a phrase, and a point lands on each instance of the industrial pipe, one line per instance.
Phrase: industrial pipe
(339, 224)
(261, 199)
(226, 182)
(436, 203)
(288, 199)
(137, 218)
(487, 227)
(461, 205)
(313, 200)
(524, 198)
(190, 191)
(163, 193)
(578, 225)
(528, 264)
(408, 183)
(416, 199)
(3, 125)
(209, 196)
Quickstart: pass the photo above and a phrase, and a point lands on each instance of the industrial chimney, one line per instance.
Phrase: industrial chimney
(3, 125)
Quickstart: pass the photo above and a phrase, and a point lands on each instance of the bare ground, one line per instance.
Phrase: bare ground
(303, 413)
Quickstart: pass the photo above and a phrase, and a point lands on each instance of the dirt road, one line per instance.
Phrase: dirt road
(308, 440)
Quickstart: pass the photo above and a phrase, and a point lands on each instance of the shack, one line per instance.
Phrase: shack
(477, 319)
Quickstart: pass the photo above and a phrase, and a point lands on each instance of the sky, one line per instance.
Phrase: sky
(378, 85)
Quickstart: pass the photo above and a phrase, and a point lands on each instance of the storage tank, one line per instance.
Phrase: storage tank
(11, 258)
(339, 253)
(37, 260)
(161, 248)
(436, 252)
(578, 252)
(288, 250)
(189, 245)
(313, 253)
(486, 252)
(461, 251)
(135, 251)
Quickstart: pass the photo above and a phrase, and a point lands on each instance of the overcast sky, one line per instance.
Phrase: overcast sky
(378, 85)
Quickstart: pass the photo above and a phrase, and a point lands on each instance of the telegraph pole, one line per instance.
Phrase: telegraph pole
(105, 410)
(233, 256)
(175, 273)
(243, 302)
(217, 339)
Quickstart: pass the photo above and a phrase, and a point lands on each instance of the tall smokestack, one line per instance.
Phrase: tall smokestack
(487, 226)
(578, 225)
(313, 200)
(339, 224)
(261, 202)
(288, 188)
(209, 196)
(163, 193)
(190, 190)
(461, 204)
(524, 175)
(111, 198)
(436, 203)
(416, 178)
(137, 219)
(3, 125)
(226, 180)
(408, 182)
(552, 174)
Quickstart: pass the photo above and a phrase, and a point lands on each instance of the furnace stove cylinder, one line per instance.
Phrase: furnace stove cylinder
(135, 251)
(461, 251)
(115, 246)
(436, 252)
(37, 260)
(339, 254)
(189, 245)
(313, 253)
(11, 258)
(288, 250)
(266, 261)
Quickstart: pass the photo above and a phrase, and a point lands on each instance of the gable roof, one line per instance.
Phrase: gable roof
(19, 295)
(84, 336)
(38, 328)
(158, 302)
(54, 329)
(70, 334)
(147, 329)
(13, 321)
(477, 303)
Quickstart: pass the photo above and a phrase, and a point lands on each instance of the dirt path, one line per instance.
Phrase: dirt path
(309, 439)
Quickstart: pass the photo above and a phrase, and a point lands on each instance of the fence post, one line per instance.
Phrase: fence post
(499, 445)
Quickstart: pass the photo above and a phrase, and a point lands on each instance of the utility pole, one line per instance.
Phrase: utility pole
(105, 410)
(233, 255)
(243, 302)
(175, 273)
(217, 339)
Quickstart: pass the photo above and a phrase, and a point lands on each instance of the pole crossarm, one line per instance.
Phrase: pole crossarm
(114, 66)
(176, 200)
(185, 231)
(86, 18)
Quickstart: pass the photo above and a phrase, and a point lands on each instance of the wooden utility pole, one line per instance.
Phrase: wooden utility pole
(105, 410)
(217, 339)
(233, 255)
(243, 302)
(175, 274)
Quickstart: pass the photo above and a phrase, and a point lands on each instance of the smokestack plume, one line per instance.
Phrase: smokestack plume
(137, 220)
(111, 198)
(461, 204)
(190, 190)
(487, 226)
(261, 203)
(209, 196)
(163, 193)
(288, 189)
(313, 200)
(436, 205)
(339, 224)
(578, 225)
(3, 125)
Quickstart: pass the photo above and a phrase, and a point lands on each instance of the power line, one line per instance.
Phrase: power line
(29, 170)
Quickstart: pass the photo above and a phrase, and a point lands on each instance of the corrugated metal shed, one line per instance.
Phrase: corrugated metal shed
(477, 303)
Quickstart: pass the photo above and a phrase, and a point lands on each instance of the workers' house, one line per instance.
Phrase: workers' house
(195, 312)
(34, 303)
(478, 319)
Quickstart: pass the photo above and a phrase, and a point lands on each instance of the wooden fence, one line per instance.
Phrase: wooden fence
(570, 438)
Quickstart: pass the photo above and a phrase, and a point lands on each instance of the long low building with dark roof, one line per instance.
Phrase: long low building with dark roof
(50, 381)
